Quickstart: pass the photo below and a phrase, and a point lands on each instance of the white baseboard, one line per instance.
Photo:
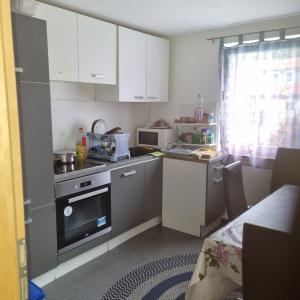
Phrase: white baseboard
(132, 232)
(45, 278)
(91, 254)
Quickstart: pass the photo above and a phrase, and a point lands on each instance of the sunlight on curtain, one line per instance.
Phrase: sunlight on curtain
(260, 107)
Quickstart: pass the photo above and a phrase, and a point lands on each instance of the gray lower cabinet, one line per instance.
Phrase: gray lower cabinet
(153, 189)
(41, 240)
(127, 188)
(136, 195)
(214, 192)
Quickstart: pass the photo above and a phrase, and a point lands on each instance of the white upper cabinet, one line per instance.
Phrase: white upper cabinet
(97, 51)
(143, 67)
(157, 69)
(132, 65)
(62, 41)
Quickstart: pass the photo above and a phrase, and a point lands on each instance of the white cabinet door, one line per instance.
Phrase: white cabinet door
(157, 69)
(132, 65)
(97, 50)
(184, 195)
(62, 41)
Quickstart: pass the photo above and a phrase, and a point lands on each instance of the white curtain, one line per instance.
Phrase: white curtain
(260, 105)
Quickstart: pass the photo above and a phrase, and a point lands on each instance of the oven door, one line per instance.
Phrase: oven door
(82, 217)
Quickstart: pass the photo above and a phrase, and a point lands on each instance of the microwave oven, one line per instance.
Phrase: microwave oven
(158, 138)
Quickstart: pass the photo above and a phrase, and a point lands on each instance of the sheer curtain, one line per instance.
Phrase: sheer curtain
(260, 105)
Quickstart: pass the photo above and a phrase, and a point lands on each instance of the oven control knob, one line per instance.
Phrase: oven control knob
(76, 186)
(68, 211)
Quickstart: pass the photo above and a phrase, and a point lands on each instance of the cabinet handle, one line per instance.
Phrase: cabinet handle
(98, 75)
(28, 221)
(19, 70)
(129, 173)
(139, 97)
(85, 196)
(218, 180)
(152, 98)
(219, 168)
(27, 202)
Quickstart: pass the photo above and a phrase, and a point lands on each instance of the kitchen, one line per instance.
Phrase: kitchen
(135, 82)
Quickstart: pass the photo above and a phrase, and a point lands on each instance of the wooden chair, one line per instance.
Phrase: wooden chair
(286, 168)
(234, 196)
(268, 264)
(268, 270)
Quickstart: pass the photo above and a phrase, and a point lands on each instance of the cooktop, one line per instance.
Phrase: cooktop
(60, 168)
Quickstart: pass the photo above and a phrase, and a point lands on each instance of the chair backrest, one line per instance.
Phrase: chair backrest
(234, 196)
(268, 264)
(286, 168)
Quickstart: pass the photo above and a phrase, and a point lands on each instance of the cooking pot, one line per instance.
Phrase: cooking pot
(65, 156)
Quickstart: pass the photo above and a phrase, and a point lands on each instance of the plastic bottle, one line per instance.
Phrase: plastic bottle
(199, 111)
(81, 145)
(203, 136)
(195, 136)
(210, 138)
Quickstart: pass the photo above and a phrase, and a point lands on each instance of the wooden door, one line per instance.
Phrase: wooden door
(13, 280)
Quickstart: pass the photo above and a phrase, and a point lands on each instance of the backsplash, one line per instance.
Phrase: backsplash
(74, 105)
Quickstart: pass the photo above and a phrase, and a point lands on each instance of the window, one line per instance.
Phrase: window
(260, 108)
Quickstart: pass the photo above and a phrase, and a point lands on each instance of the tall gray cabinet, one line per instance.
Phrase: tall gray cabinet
(31, 60)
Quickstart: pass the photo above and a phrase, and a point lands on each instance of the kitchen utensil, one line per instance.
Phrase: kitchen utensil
(99, 126)
(114, 130)
(111, 147)
(65, 156)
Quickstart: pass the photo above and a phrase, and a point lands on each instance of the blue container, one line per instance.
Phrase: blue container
(35, 292)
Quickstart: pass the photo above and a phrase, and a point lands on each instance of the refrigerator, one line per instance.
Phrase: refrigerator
(33, 89)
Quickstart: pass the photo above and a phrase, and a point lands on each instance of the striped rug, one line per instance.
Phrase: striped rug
(164, 279)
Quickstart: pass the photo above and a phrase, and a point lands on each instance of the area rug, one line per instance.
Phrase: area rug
(164, 279)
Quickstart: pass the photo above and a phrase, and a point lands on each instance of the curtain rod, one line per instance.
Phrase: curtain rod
(227, 36)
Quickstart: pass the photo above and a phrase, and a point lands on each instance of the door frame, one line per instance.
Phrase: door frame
(13, 279)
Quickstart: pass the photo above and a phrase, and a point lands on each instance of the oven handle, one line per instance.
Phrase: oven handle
(84, 196)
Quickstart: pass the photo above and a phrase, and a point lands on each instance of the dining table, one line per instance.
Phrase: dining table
(218, 270)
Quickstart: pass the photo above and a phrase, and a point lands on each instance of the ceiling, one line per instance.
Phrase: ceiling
(172, 17)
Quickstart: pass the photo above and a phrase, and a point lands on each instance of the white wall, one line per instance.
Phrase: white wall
(194, 66)
(73, 105)
(194, 69)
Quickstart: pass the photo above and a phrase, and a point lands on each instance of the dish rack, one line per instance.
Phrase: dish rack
(110, 147)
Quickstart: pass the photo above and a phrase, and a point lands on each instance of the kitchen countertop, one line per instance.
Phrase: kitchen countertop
(194, 159)
(101, 168)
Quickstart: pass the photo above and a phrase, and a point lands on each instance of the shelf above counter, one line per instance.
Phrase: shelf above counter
(195, 124)
(198, 145)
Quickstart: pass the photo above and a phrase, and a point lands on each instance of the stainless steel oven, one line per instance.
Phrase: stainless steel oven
(83, 210)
